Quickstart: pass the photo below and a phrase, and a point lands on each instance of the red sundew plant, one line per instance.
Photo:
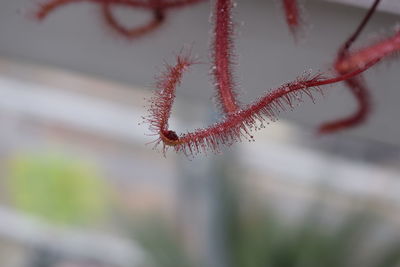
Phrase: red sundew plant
(158, 8)
(238, 120)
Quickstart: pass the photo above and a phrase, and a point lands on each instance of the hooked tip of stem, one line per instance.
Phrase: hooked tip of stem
(169, 137)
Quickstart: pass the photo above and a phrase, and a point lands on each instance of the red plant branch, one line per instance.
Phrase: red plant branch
(161, 103)
(157, 6)
(237, 125)
(345, 48)
(376, 51)
(356, 85)
(47, 8)
(157, 20)
(356, 60)
(238, 122)
(361, 93)
(223, 47)
(292, 15)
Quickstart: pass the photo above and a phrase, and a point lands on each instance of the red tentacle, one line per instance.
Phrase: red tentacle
(293, 16)
(223, 47)
(361, 93)
(238, 125)
(131, 33)
(50, 6)
(161, 103)
(345, 63)
(346, 46)
(376, 51)
(353, 61)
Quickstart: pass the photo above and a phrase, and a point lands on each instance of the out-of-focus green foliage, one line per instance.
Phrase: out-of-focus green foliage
(260, 239)
(57, 188)
(164, 245)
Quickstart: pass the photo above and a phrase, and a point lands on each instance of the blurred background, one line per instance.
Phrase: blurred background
(79, 187)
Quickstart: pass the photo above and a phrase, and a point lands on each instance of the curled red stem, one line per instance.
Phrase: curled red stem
(345, 63)
(48, 7)
(235, 127)
(361, 93)
(238, 122)
(131, 33)
(353, 61)
(161, 103)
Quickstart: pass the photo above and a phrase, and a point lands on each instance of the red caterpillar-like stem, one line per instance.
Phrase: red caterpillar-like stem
(161, 104)
(223, 47)
(235, 127)
(157, 20)
(46, 8)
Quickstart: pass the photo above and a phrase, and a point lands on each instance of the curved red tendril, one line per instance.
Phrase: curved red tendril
(238, 125)
(155, 22)
(157, 6)
(361, 93)
(238, 121)
(351, 62)
(356, 85)
(293, 16)
(46, 8)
